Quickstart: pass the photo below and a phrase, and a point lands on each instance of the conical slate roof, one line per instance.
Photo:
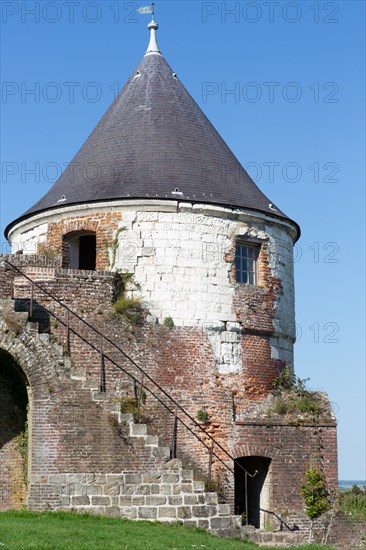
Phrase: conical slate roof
(155, 142)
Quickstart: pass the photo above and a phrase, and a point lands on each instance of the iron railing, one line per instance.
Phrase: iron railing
(174, 407)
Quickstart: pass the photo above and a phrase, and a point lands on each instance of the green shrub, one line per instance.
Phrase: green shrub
(315, 495)
(202, 416)
(123, 304)
(168, 322)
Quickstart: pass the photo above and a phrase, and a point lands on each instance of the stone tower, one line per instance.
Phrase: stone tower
(157, 194)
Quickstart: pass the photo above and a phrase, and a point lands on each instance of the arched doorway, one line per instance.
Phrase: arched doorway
(81, 250)
(252, 493)
(13, 433)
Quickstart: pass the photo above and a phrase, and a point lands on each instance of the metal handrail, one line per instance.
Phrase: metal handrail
(145, 374)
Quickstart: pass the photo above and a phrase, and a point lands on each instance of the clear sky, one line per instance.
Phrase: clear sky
(283, 82)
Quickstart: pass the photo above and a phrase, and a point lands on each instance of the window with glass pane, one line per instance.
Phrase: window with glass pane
(246, 263)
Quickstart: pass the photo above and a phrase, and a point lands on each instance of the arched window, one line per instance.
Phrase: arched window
(81, 250)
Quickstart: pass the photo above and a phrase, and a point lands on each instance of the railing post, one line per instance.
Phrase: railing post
(139, 398)
(68, 332)
(246, 498)
(102, 369)
(31, 303)
(209, 477)
(173, 448)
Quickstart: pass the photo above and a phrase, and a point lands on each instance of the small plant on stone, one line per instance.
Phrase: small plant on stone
(51, 252)
(130, 405)
(130, 307)
(293, 397)
(111, 248)
(202, 416)
(168, 322)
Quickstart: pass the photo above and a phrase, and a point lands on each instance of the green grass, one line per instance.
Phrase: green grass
(353, 502)
(66, 531)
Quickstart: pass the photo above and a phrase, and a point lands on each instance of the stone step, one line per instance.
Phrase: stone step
(161, 452)
(138, 430)
(7, 304)
(152, 440)
(33, 326)
(58, 350)
(99, 396)
(79, 374)
(126, 418)
(277, 539)
(44, 337)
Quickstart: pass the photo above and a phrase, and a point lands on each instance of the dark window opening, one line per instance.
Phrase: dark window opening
(251, 493)
(246, 257)
(81, 250)
(87, 252)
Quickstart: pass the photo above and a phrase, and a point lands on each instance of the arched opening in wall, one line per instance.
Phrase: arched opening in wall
(80, 250)
(14, 433)
(252, 493)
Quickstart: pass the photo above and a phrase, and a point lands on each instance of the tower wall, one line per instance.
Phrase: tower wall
(182, 258)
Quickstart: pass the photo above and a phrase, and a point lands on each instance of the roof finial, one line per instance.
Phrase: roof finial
(153, 47)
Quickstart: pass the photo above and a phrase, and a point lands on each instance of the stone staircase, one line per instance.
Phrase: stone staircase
(166, 494)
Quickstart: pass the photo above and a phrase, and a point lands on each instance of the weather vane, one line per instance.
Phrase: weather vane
(147, 10)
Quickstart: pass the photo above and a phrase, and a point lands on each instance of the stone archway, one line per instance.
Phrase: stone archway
(13, 433)
(252, 493)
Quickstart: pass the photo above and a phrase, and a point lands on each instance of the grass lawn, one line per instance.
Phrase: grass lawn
(66, 531)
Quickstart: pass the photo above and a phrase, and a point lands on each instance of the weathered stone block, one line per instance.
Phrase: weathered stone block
(190, 499)
(125, 500)
(128, 512)
(211, 498)
(138, 501)
(184, 512)
(198, 486)
(220, 523)
(91, 490)
(155, 500)
(224, 509)
(175, 500)
(133, 479)
(112, 489)
(186, 475)
(151, 477)
(170, 478)
(147, 513)
(80, 501)
(167, 512)
(166, 489)
(201, 511)
(100, 501)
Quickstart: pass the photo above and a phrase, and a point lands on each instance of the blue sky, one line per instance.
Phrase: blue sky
(294, 118)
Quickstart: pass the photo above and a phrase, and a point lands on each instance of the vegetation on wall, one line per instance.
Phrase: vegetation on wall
(128, 306)
(131, 405)
(315, 495)
(23, 445)
(168, 322)
(111, 248)
(293, 398)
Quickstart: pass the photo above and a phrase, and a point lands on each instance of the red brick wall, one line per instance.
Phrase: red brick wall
(78, 431)
(103, 224)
